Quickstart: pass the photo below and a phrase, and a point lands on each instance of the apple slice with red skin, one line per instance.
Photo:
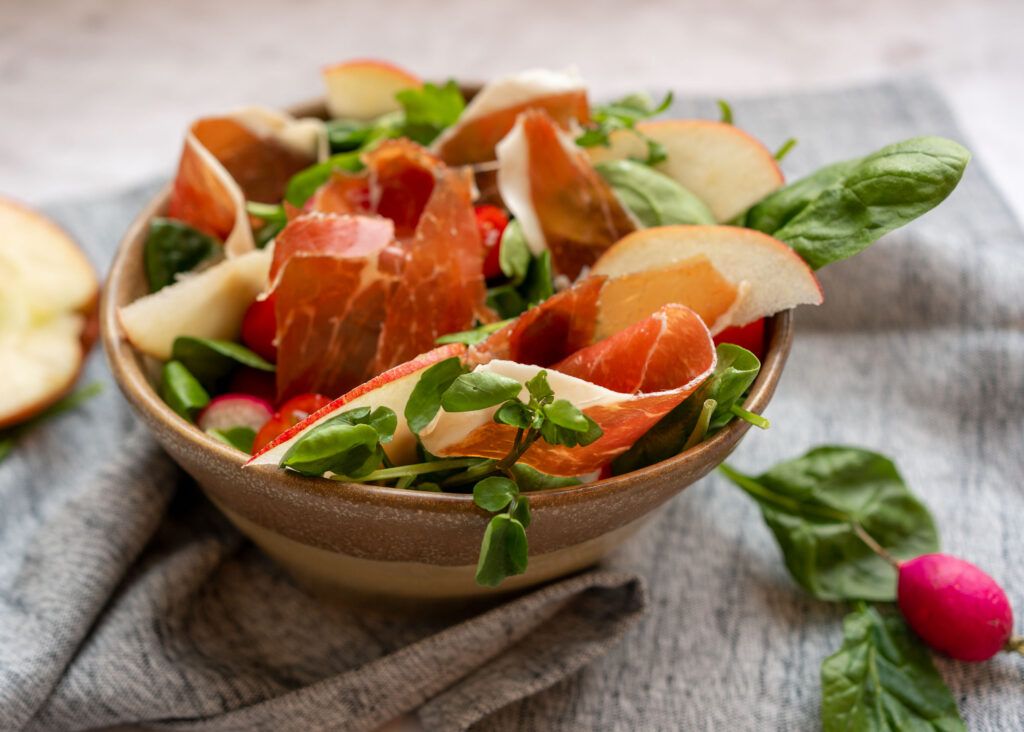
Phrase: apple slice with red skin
(721, 164)
(365, 88)
(48, 296)
(390, 389)
(771, 277)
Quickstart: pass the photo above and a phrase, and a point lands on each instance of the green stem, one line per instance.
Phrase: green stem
(873, 545)
(755, 419)
(1015, 644)
(402, 471)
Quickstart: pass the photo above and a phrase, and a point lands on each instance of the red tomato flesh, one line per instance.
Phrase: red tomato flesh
(287, 416)
(749, 336)
(259, 328)
(491, 222)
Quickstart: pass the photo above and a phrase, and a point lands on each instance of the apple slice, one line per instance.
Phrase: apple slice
(390, 389)
(365, 88)
(770, 276)
(48, 296)
(208, 304)
(720, 164)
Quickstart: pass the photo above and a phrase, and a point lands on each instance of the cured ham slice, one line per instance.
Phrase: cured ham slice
(331, 297)
(493, 111)
(641, 358)
(561, 202)
(351, 236)
(441, 289)
(249, 155)
(673, 351)
(549, 332)
(391, 389)
(398, 182)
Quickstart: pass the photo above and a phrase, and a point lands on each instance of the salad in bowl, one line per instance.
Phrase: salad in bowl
(487, 302)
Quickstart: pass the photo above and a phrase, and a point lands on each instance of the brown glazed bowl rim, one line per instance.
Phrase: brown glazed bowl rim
(126, 365)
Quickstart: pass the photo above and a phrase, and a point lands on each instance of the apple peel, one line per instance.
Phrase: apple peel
(390, 389)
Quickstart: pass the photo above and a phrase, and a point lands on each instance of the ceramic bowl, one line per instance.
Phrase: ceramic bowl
(367, 543)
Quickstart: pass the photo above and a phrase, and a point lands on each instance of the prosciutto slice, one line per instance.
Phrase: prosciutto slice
(246, 156)
(330, 300)
(493, 112)
(388, 273)
(398, 182)
(561, 202)
(441, 289)
(662, 360)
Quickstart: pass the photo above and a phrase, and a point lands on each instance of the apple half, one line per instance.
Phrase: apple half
(207, 304)
(751, 276)
(48, 295)
(365, 88)
(722, 165)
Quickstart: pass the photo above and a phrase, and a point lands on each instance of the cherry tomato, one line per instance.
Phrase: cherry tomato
(750, 336)
(491, 222)
(259, 328)
(288, 415)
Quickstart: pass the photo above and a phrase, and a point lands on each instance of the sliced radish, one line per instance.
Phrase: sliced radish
(235, 410)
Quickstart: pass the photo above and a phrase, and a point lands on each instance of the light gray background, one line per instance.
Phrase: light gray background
(95, 94)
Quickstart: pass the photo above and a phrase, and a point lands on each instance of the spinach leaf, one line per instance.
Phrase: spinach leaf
(182, 391)
(735, 371)
(479, 390)
(883, 679)
(814, 505)
(531, 278)
(429, 110)
(240, 438)
(652, 197)
(173, 247)
(425, 399)
(503, 551)
(304, 183)
(348, 135)
(874, 195)
(211, 360)
(348, 444)
(478, 334)
(777, 208)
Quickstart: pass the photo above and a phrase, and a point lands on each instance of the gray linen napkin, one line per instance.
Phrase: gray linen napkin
(124, 597)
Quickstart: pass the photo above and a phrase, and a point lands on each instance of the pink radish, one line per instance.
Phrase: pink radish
(235, 410)
(954, 606)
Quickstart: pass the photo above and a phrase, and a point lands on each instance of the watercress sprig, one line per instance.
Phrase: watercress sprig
(623, 114)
